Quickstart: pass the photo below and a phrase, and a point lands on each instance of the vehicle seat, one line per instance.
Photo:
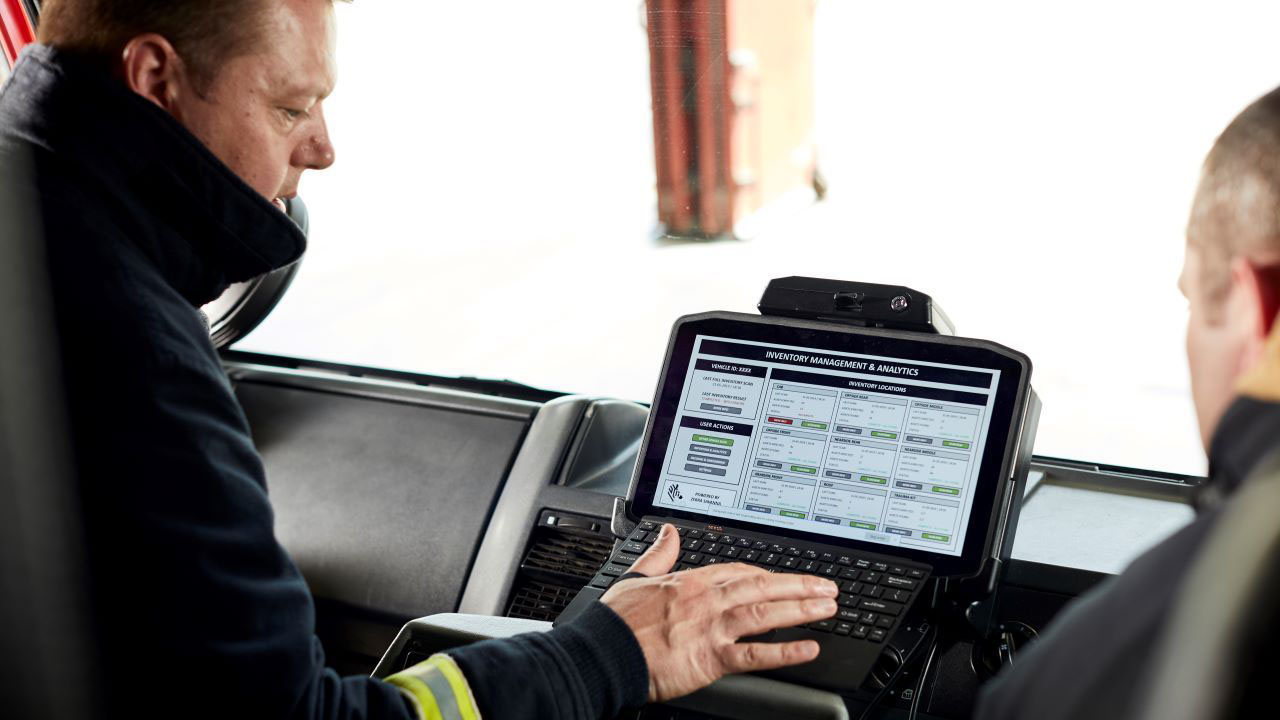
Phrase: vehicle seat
(1221, 642)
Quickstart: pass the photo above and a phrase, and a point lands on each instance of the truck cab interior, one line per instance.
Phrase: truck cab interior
(450, 391)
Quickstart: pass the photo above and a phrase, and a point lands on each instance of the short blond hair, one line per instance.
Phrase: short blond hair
(1236, 212)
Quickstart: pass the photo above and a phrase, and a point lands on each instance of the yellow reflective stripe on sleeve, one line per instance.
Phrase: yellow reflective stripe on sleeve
(439, 688)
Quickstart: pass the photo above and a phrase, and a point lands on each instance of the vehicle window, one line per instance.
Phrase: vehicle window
(495, 207)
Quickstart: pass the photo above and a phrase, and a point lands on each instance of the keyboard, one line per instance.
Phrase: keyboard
(875, 590)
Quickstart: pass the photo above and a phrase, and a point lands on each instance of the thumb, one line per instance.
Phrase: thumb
(659, 559)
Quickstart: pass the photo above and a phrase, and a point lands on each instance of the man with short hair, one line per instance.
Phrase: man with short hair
(164, 136)
(1094, 659)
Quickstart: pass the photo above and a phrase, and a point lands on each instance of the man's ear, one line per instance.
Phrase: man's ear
(152, 69)
(1259, 286)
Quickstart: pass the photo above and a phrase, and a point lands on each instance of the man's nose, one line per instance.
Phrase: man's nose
(316, 150)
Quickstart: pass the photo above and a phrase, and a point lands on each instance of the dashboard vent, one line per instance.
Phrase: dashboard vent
(556, 566)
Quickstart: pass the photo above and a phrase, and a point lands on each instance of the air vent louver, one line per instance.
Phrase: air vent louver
(554, 569)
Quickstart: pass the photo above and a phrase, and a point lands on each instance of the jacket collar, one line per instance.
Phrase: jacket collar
(201, 225)
(1250, 429)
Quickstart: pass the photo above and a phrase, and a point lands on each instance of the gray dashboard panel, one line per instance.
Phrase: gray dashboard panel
(381, 493)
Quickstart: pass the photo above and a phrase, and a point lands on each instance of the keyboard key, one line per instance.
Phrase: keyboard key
(848, 600)
(810, 554)
(728, 539)
(885, 622)
(602, 581)
(633, 547)
(695, 534)
(916, 573)
(823, 625)
(860, 631)
(877, 635)
(872, 591)
(810, 566)
(625, 558)
(829, 570)
(692, 558)
(650, 537)
(760, 545)
(871, 618)
(853, 587)
(862, 564)
(692, 544)
(871, 577)
(848, 615)
(711, 560)
(770, 559)
(827, 557)
(710, 537)
(710, 548)
(894, 581)
(880, 567)
(613, 569)
(844, 560)
(743, 543)
(682, 531)
(730, 552)
(750, 556)
(789, 563)
(850, 574)
(897, 570)
(898, 596)
(880, 606)
(843, 628)
(794, 552)
(777, 549)
(647, 525)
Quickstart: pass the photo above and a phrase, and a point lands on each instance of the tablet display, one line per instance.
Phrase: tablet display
(854, 436)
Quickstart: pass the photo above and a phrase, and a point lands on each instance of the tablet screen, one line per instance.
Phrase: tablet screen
(871, 448)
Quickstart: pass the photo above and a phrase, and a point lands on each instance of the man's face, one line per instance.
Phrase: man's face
(263, 115)
(1218, 340)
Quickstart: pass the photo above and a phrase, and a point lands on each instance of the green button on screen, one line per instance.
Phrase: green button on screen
(883, 434)
(946, 491)
(955, 444)
(934, 536)
(790, 514)
(814, 425)
(864, 526)
(876, 480)
(804, 469)
(713, 440)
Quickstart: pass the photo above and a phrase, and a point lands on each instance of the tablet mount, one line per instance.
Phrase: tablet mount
(894, 307)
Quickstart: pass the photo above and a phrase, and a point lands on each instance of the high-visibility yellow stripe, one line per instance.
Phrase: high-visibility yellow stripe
(461, 690)
(439, 688)
(423, 699)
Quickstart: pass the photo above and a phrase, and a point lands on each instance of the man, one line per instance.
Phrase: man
(1092, 661)
(164, 136)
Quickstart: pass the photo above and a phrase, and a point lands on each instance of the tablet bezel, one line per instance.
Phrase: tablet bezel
(995, 472)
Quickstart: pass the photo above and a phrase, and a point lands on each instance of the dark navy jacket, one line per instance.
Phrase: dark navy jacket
(199, 609)
(1094, 660)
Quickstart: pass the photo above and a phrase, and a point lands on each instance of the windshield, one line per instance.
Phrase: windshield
(499, 202)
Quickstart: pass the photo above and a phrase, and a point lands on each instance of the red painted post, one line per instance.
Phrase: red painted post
(15, 29)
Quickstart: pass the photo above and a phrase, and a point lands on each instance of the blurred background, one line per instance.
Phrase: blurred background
(535, 191)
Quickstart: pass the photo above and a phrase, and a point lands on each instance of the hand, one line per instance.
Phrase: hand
(688, 624)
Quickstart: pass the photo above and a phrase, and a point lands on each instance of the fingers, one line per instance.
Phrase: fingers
(754, 588)
(755, 618)
(662, 556)
(748, 657)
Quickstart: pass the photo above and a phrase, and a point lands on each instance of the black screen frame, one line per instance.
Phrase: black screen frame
(994, 474)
